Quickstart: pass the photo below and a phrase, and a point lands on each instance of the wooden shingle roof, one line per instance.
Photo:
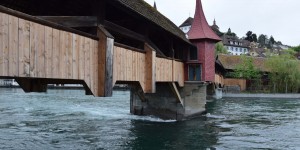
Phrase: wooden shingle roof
(229, 62)
(75, 7)
(150, 13)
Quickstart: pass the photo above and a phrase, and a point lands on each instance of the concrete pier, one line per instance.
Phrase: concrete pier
(166, 104)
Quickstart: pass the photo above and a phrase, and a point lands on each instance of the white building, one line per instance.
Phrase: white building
(236, 46)
(186, 25)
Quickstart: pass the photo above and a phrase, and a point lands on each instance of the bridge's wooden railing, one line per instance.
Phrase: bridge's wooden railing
(168, 70)
(129, 65)
(33, 50)
(145, 67)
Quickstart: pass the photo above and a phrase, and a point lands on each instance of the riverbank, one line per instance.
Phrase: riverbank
(260, 95)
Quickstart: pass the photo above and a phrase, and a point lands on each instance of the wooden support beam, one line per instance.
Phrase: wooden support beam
(131, 34)
(176, 93)
(150, 65)
(72, 21)
(105, 62)
(123, 31)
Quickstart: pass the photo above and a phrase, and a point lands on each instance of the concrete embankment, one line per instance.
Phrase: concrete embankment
(242, 95)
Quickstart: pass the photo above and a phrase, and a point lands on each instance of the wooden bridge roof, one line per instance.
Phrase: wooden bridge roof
(149, 12)
(75, 7)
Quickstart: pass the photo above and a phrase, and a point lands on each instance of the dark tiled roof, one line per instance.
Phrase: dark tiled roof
(147, 11)
(231, 61)
(200, 28)
(187, 22)
(226, 38)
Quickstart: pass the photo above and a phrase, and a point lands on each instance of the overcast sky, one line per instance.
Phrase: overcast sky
(280, 18)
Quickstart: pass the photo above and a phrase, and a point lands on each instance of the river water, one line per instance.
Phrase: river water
(67, 119)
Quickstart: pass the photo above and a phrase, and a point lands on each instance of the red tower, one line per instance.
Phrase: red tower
(202, 67)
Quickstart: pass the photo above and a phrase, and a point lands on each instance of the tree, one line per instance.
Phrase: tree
(296, 49)
(218, 32)
(254, 37)
(284, 72)
(246, 69)
(249, 36)
(272, 40)
(220, 49)
(262, 40)
(279, 42)
(230, 33)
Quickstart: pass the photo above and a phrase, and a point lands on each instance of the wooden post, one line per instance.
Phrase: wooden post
(150, 73)
(105, 62)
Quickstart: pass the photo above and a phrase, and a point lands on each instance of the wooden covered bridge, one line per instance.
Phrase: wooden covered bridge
(96, 43)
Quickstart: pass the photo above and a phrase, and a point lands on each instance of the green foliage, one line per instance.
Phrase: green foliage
(250, 36)
(272, 40)
(247, 69)
(218, 32)
(220, 49)
(296, 49)
(262, 40)
(230, 33)
(254, 37)
(284, 72)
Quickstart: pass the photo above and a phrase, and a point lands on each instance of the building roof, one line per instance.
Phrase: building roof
(229, 62)
(215, 26)
(143, 8)
(226, 38)
(260, 51)
(200, 28)
(187, 22)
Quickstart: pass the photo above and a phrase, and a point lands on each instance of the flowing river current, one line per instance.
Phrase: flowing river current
(69, 120)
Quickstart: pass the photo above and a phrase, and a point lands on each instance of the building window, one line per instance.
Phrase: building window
(195, 72)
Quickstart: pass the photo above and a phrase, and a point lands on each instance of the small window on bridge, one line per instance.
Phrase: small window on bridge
(195, 72)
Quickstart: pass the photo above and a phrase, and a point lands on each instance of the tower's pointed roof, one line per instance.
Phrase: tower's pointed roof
(200, 28)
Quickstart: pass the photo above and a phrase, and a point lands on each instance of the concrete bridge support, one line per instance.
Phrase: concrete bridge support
(170, 102)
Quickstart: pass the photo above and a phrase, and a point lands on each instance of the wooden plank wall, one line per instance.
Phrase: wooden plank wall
(28, 49)
(178, 72)
(164, 70)
(232, 82)
(219, 79)
(131, 66)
